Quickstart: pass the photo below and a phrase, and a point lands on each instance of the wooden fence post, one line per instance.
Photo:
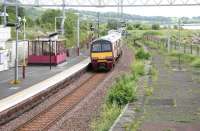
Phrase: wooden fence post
(197, 50)
(184, 49)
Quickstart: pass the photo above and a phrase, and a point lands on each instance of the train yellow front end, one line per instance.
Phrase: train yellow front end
(102, 59)
(105, 51)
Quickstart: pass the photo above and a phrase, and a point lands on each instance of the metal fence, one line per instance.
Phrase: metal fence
(193, 49)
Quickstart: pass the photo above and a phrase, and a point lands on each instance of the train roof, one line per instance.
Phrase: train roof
(111, 37)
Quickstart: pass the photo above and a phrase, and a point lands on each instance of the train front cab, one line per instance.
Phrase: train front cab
(102, 54)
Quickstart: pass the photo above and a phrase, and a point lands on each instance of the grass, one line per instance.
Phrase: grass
(196, 63)
(153, 73)
(138, 69)
(108, 115)
(192, 60)
(142, 55)
(148, 91)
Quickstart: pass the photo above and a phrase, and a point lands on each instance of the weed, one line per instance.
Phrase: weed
(148, 91)
(142, 55)
(107, 116)
(196, 63)
(123, 91)
(138, 69)
(153, 72)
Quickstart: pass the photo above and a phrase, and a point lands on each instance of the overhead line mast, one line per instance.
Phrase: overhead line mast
(103, 3)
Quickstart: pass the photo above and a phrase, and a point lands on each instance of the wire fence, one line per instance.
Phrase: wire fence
(193, 49)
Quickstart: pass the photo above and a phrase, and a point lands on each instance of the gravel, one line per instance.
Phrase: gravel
(80, 117)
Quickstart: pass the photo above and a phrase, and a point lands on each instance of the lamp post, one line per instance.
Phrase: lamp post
(18, 19)
(78, 34)
(50, 46)
(4, 8)
(24, 61)
(98, 23)
(169, 39)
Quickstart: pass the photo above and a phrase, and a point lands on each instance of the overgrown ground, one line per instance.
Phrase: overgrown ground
(174, 104)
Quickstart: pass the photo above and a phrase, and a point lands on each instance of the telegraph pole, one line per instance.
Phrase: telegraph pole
(118, 13)
(63, 19)
(122, 17)
(4, 8)
(168, 40)
(78, 34)
(24, 59)
(16, 80)
(179, 33)
(98, 23)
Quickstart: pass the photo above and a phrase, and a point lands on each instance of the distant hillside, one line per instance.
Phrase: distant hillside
(33, 13)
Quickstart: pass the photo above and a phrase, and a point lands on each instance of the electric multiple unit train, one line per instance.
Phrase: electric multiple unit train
(106, 50)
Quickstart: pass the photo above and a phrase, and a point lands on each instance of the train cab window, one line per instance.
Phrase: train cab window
(106, 47)
(101, 46)
(96, 47)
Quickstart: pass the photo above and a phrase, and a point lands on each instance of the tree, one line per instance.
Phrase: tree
(129, 27)
(47, 20)
(155, 26)
(137, 25)
(112, 24)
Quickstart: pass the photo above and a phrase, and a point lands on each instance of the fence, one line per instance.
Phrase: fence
(193, 49)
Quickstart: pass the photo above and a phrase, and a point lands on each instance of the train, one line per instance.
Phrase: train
(105, 50)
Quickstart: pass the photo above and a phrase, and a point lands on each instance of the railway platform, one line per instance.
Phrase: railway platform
(34, 75)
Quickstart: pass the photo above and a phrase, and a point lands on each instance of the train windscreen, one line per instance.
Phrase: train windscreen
(101, 46)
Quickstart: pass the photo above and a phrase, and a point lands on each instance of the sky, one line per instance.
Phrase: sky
(189, 11)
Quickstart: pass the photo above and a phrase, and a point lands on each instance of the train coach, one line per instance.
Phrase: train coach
(106, 50)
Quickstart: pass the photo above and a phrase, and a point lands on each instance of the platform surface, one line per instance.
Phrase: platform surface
(34, 75)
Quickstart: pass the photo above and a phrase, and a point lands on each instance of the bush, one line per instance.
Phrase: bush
(123, 91)
(141, 54)
(137, 70)
(196, 63)
(155, 27)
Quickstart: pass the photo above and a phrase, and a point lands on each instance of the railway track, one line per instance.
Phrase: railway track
(48, 117)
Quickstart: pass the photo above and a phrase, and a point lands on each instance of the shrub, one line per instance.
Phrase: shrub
(196, 63)
(141, 54)
(155, 27)
(123, 91)
(137, 69)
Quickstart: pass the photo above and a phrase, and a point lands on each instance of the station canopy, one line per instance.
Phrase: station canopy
(102, 3)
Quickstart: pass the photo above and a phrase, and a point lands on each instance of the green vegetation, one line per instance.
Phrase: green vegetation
(141, 54)
(155, 27)
(192, 60)
(196, 63)
(138, 69)
(108, 115)
(148, 90)
(42, 22)
(123, 91)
